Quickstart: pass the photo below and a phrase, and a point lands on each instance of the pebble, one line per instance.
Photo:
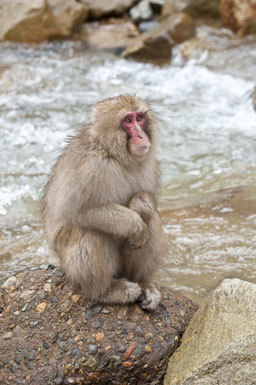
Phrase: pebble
(96, 309)
(17, 360)
(33, 324)
(9, 282)
(92, 349)
(7, 336)
(16, 313)
(61, 344)
(46, 345)
(74, 352)
(48, 288)
(18, 331)
(25, 307)
(26, 229)
(91, 363)
(98, 323)
(27, 294)
(106, 310)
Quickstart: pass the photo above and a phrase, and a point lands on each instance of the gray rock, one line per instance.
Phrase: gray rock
(219, 345)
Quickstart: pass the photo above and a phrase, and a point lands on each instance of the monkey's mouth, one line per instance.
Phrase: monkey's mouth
(139, 149)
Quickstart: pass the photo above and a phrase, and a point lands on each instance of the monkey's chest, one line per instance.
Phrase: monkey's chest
(122, 186)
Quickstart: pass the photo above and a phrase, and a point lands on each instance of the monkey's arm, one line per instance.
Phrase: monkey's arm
(117, 220)
(144, 204)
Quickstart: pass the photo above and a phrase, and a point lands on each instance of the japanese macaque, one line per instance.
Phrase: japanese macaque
(100, 205)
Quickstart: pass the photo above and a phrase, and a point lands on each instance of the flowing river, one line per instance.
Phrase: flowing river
(207, 149)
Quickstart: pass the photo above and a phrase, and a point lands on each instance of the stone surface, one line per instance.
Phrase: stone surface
(99, 9)
(193, 7)
(113, 35)
(239, 16)
(156, 44)
(219, 345)
(65, 340)
(39, 20)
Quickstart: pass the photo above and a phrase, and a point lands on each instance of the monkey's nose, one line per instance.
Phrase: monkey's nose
(140, 136)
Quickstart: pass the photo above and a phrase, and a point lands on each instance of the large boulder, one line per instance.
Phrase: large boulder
(239, 16)
(51, 335)
(219, 345)
(111, 36)
(193, 7)
(99, 9)
(155, 45)
(39, 20)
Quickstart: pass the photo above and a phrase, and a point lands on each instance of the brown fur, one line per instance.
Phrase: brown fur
(100, 208)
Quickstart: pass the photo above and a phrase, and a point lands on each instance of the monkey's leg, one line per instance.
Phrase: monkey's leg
(90, 260)
(140, 265)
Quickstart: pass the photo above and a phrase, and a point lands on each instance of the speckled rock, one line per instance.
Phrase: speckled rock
(219, 345)
(65, 340)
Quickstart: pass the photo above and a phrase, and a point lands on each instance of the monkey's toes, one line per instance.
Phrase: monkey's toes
(151, 300)
(133, 291)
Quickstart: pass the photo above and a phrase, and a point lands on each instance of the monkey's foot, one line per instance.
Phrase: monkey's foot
(150, 300)
(133, 291)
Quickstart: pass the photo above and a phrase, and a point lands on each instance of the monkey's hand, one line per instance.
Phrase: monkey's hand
(143, 204)
(139, 235)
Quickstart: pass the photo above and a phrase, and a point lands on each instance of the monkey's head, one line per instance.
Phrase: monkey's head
(125, 125)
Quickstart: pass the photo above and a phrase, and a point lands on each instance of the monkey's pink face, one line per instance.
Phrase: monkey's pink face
(135, 123)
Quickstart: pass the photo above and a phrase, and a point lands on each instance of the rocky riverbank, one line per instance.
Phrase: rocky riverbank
(146, 30)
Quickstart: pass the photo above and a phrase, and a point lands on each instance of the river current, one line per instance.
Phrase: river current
(206, 150)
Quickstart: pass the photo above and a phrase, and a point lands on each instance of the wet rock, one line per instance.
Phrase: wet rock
(98, 9)
(113, 35)
(39, 20)
(142, 11)
(196, 8)
(219, 346)
(156, 44)
(239, 16)
(125, 338)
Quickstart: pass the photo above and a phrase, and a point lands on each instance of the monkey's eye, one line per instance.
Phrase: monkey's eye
(139, 118)
(127, 120)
